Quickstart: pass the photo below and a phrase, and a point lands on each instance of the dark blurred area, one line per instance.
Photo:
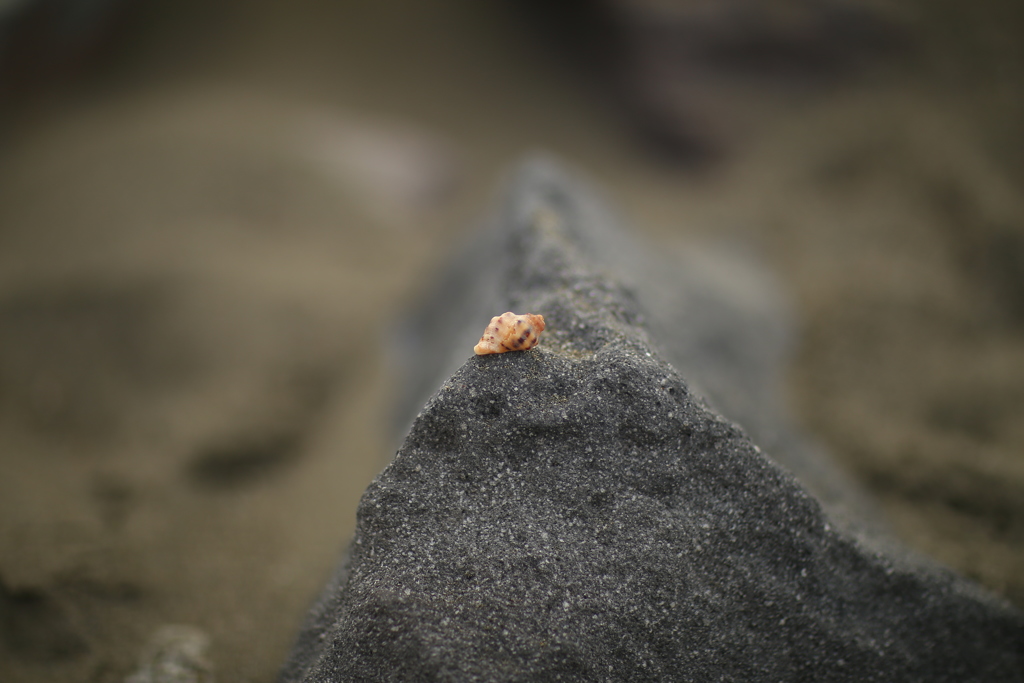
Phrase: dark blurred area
(211, 214)
(44, 40)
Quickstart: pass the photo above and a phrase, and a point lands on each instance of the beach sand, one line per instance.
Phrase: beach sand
(206, 238)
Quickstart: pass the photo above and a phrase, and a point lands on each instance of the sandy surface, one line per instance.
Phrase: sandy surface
(204, 240)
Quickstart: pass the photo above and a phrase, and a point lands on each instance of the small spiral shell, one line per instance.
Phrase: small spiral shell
(510, 332)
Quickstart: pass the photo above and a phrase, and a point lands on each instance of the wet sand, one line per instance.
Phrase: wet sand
(205, 239)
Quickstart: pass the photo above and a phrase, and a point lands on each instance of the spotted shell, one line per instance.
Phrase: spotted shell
(510, 332)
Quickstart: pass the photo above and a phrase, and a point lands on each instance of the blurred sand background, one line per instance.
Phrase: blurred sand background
(212, 212)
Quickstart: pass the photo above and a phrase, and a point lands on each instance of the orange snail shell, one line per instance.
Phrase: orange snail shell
(510, 332)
